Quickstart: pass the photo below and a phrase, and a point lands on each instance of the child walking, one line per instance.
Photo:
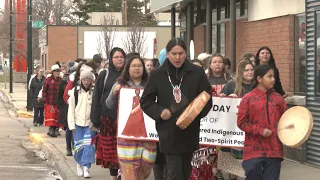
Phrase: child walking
(259, 113)
(78, 122)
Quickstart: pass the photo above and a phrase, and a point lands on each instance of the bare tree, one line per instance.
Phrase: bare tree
(100, 44)
(135, 40)
(107, 36)
(62, 10)
(4, 32)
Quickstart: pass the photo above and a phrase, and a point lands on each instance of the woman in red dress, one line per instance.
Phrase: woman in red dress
(135, 119)
(49, 94)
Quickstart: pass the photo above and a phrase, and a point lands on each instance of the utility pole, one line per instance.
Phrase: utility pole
(145, 10)
(11, 48)
(29, 52)
(124, 12)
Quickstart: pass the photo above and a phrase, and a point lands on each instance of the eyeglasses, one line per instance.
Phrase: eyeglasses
(136, 66)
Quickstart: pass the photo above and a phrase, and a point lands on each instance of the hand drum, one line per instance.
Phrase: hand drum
(193, 110)
(295, 126)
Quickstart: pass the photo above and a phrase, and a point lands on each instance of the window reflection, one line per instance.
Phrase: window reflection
(300, 54)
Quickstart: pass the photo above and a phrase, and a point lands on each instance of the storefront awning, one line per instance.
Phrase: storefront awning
(162, 5)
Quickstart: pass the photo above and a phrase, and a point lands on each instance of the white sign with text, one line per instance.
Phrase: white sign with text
(218, 128)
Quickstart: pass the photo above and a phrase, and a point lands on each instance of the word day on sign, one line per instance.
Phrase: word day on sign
(218, 128)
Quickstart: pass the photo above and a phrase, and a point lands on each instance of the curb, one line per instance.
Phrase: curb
(54, 157)
(21, 114)
(24, 114)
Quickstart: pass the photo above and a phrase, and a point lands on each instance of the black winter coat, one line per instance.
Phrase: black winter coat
(172, 138)
(63, 107)
(99, 106)
(35, 87)
(277, 85)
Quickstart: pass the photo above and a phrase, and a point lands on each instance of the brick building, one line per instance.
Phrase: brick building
(234, 27)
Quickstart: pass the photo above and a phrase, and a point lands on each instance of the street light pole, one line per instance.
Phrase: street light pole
(11, 48)
(29, 52)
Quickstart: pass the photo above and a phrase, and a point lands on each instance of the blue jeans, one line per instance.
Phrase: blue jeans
(262, 168)
(38, 115)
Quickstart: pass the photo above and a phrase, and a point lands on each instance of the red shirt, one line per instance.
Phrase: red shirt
(50, 90)
(257, 111)
(66, 91)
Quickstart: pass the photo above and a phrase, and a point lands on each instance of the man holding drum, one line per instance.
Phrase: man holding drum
(167, 94)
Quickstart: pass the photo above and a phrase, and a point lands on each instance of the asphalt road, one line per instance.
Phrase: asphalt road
(17, 163)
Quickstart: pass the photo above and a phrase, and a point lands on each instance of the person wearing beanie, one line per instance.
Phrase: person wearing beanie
(74, 78)
(63, 106)
(71, 67)
(78, 121)
(49, 95)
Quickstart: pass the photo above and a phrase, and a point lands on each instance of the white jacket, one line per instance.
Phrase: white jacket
(79, 115)
(32, 76)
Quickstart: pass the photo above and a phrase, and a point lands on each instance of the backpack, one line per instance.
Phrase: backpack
(76, 94)
(104, 85)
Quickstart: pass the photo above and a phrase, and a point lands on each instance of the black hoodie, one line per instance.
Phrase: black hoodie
(99, 106)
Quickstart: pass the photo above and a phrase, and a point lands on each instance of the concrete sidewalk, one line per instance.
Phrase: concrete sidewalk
(55, 148)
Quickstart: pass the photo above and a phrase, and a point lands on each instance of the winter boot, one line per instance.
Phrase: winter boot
(69, 151)
(52, 132)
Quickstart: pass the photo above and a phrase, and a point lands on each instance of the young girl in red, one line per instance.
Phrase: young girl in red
(258, 116)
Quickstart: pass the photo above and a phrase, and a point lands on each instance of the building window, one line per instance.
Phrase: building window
(223, 13)
(223, 39)
(300, 55)
(214, 38)
(200, 12)
(183, 26)
(238, 13)
(220, 15)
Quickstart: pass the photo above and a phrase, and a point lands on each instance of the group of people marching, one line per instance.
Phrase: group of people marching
(257, 81)
(84, 102)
